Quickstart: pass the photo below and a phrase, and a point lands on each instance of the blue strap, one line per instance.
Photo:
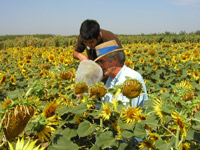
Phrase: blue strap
(106, 50)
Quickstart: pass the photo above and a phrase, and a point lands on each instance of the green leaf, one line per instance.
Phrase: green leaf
(106, 139)
(124, 125)
(167, 109)
(127, 134)
(190, 135)
(160, 144)
(15, 94)
(122, 146)
(85, 128)
(63, 144)
(152, 121)
(79, 109)
(197, 114)
(69, 133)
(139, 131)
(196, 126)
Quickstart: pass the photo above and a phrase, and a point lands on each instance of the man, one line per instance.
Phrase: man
(111, 58)
(90, 36)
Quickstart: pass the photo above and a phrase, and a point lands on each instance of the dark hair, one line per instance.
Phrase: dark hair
(89, 29)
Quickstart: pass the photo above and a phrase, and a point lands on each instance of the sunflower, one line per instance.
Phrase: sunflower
(115, 103)
(184, 84)
(147, 143)
(185, 146)
(155, 67)
(61, 59)
(52, 57)
(131, 115)
(43, 127)
(117, 128)
(141, 60)
(128, 62)
(5, 103)
(2, 78)
(21, 64)
(189, 72)
(154, 136)
(20, 145)
(157, 108)
(106, 113)
(180, 122)
(184, 58)
(12, 80)
(51, 108)
(196, 74)
(163, 90)
(151, 60)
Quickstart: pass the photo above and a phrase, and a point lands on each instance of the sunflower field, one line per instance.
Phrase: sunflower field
(40, 108)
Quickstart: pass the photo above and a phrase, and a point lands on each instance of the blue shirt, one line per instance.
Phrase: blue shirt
(121, 78)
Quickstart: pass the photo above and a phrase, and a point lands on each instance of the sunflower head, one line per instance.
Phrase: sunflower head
(98, 90)
(66, 75)
(29, 145)
(2, 78)
(80, 88)
(45, 66)
(131, 88)
(190, 95)
(131, 115)
(106, 113)
(51, 108)
(16, 116)
(152, 52)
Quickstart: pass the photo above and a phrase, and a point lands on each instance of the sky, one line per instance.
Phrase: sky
(64, 17)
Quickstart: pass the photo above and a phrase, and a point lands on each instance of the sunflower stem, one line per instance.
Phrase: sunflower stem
(130, 100)
(101, 124)
(177, 137)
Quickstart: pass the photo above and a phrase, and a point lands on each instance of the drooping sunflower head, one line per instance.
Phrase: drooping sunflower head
(152, 52)
(98, 90)
(190, 95)
(66, 75)
(16, 116)
(45, 66)
(131, 88)
(80, 88)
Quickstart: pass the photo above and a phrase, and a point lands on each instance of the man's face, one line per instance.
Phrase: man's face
(91, 44)
(106, 65)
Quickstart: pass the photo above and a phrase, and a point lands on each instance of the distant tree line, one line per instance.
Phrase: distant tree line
(46, 40)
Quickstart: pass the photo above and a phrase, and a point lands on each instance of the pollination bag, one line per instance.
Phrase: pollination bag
(89, 71)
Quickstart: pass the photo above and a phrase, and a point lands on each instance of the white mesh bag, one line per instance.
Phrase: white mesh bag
(88, 71)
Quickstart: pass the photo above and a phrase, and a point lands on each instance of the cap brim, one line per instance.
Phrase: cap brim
(119, 49)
